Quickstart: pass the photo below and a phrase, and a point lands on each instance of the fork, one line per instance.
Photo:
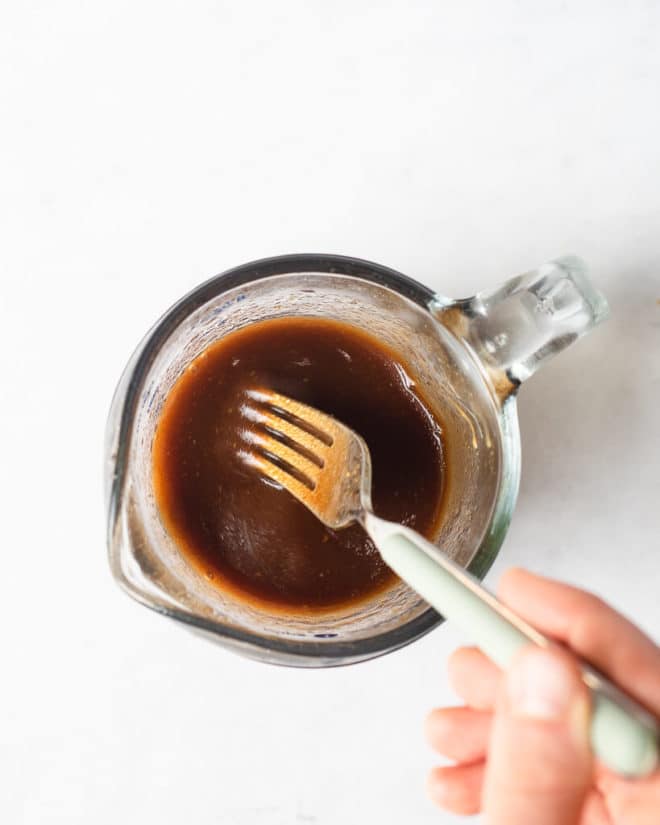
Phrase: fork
(327, 467)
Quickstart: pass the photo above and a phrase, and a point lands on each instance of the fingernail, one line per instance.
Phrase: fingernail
(540, 685)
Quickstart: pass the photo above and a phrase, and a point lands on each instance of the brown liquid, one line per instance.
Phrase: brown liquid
(253, 538)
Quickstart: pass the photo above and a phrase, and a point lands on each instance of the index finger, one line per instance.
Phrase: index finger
(591, 628)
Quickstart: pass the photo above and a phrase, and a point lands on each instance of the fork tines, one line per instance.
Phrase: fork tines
(284, 440)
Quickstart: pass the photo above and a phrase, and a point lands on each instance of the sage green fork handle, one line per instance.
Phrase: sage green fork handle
(625, 739)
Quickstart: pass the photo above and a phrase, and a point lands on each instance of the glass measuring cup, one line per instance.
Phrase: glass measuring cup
(470, 355)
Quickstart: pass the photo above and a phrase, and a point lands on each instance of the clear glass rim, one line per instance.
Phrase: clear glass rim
(288, 652)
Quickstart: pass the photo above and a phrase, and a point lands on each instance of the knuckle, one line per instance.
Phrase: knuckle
(591, 612)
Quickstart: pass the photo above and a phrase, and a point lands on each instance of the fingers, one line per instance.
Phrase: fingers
(530, 762)
(595, 811)
(636, 801)
(460, 734)
(591, 628)
(474, 677)
(539, 763)
(457, 788)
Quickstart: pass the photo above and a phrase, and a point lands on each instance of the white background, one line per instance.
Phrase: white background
(145, 146)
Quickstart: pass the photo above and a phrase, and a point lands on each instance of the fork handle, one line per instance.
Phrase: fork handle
(623, 734)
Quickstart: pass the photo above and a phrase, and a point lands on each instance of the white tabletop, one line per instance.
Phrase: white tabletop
(146, 146)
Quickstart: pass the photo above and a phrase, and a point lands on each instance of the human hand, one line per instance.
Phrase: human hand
(520, 743)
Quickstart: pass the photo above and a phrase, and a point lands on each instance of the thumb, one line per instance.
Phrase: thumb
(539, 762)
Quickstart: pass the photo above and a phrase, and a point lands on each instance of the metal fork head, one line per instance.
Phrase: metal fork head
(321, 462)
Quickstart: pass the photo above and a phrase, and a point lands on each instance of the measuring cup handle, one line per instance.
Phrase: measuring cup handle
(515, 328)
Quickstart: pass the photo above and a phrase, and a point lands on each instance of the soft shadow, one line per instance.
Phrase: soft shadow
(578, 413)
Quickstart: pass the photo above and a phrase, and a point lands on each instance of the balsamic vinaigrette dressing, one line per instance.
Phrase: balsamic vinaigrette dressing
(252, 538)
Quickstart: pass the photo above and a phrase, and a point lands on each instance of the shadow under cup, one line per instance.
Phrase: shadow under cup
(480, 441)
